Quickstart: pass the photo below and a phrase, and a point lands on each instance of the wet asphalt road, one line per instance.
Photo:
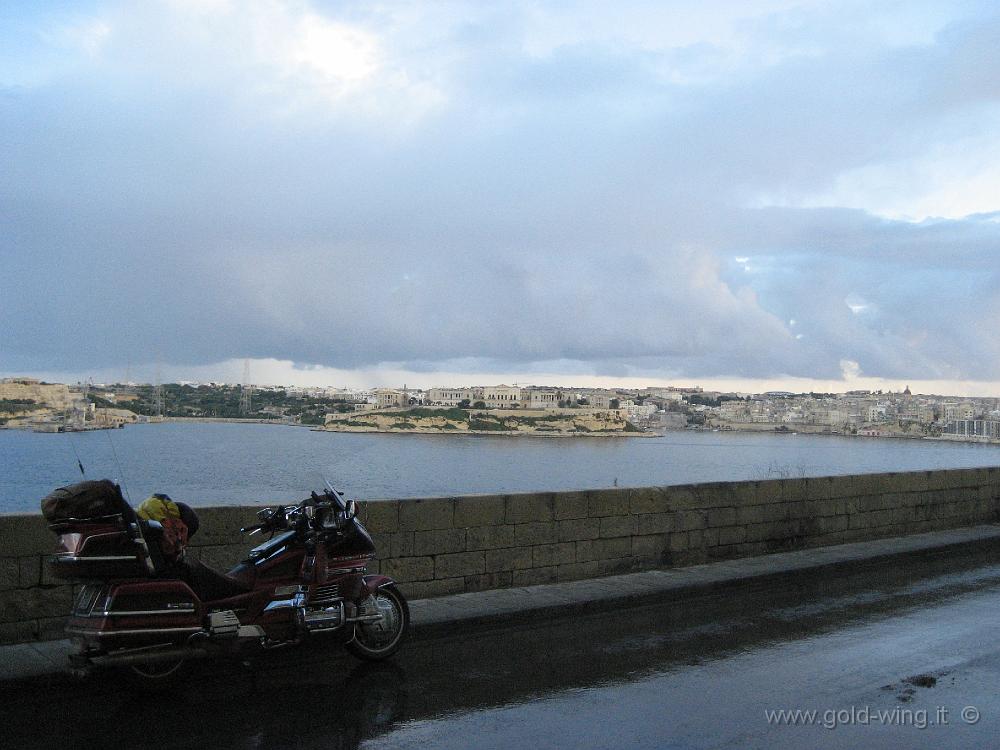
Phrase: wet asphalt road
(916, 643)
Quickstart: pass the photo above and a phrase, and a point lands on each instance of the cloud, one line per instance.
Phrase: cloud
(646, 193)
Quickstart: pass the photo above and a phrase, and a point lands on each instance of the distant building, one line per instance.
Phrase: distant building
(982, 428)
(114, 417)
(502, 397)
(449, 396)
(387, 398)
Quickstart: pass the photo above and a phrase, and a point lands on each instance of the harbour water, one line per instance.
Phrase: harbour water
(224, 464)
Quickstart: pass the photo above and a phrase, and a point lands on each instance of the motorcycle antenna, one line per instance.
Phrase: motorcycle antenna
(119, 465)
(78, 461)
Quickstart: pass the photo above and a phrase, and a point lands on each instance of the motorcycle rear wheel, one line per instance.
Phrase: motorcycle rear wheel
(373, 643)
(158, 672)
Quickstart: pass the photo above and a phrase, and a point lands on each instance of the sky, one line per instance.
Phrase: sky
(752, 195)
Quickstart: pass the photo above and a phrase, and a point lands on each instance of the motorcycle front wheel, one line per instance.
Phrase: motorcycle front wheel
(379, 640)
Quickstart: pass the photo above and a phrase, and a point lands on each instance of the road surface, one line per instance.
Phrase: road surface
(887, 657)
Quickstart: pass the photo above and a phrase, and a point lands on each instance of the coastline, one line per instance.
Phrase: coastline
(505, 433)
(756, 428)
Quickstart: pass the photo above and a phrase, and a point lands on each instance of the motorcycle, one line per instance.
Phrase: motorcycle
(138, 610)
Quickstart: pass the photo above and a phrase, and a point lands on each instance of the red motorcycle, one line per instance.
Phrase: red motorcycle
(139, 610)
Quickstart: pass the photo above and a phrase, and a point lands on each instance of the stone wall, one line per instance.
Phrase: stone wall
(440, 546)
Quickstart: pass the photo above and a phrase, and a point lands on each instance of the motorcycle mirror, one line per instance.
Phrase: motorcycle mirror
(350, 509)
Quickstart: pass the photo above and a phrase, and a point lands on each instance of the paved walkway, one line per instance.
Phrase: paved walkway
(503, 607)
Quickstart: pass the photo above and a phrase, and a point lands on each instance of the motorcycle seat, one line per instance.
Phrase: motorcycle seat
(210, 585)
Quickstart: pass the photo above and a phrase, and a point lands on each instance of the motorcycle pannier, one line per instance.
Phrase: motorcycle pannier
(91, 499)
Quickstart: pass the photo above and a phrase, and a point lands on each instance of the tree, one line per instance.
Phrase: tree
(479, 405)
(614, 403)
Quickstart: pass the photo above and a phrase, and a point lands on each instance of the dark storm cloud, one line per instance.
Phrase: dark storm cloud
(191, 192)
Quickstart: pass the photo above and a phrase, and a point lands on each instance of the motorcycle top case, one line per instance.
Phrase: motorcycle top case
(91, 520)
(91, 499)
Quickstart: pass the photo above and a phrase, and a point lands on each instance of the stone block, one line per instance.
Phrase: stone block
(439, 541)
(655, 523)
(677, 541)
(459, 564)
(487, 581)
(578, 571)
(427, 514)
(26, 534)
(696, 538)
(840, 486)
(380, 515)
(832, 524)
(775, 512)
(29, 571)
(407, 569)
(769, 491)
(33, 604)
(570, 505)
(759, 531)
(414, 590)
(530, 508)
(714, 495)
(485, 510)
(18, 632)
(52, 628)
(603, 549)
(687, 520)
(752, 549)
(219, 526)
(682, 497)
(722, 552)
(401, 544)
(535, 576)
(574, 529)
(529, 534)
(648, 500)
(818, 488)
(732, 535)
(553, 554)
(794, 490)
(617, 565)
(612, 526)
(608, 503)
(383, 544)
(721, 517)
(820, 508)
(651, 546)
(749, 514)
(223, 557)
(797, 509)
(10, 573)
(512, 558)
(490, 537)
(744, 493)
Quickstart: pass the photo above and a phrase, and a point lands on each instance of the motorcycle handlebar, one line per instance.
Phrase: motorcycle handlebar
(283, 517)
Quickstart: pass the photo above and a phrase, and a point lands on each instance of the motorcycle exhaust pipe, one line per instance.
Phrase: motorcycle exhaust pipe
(147, 657)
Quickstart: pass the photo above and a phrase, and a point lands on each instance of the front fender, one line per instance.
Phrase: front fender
(374, 582)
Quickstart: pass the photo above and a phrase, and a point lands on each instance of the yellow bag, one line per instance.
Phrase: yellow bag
(175, 532)
(158, 508)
